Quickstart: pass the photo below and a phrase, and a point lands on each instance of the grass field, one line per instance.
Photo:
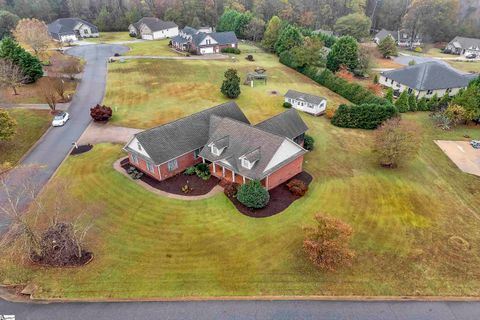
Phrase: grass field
(150, 246)
(31, 124)
(109, 37)
(159, 91)
(151, 48)
(28, 94)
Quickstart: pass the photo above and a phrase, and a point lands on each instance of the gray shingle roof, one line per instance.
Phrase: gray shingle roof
(184, 135)
(430, 75)
(286, 124)
(251, 142)
(65, 26)
(465, 43)
(382, 34)
(189, 30)
(179, 39)
(155, 24)
(223, 38)
(310, 98)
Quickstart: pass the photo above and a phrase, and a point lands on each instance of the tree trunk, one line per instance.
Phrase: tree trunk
(15, 93)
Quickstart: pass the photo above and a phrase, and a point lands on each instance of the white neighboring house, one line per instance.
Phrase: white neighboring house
(402, 38)
(306, 102)
(462, 45)
(72, 29)
(426, 80)
(150, 28)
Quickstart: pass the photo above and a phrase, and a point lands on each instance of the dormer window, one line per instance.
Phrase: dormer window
(246, 164)
(216, 151)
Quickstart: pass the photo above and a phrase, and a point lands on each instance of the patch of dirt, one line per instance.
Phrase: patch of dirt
(74, 261)
(280, 199)
(174, 185)
(81, 149)
(274, 93)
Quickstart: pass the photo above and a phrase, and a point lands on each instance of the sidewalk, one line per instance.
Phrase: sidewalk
(60, 106)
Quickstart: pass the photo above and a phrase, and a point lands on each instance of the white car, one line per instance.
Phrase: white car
(60, 119)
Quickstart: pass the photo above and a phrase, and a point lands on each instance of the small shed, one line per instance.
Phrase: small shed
(257, 74)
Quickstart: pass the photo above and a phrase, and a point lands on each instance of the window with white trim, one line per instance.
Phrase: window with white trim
(216, 151)
(429, 92)
(196, 153)
(172, 165)
(139, 146)
(150, 167)
(246, 164)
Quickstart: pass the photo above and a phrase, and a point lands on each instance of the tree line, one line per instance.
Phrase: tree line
(438, 20)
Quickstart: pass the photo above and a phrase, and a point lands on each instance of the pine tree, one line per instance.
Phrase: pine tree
(231, 84)
(422, 105)
(433, 103)
(389, 95)
(402, 102)
(388, 47)
(288, 38)
(344, 53)
(412, 102)
(271, 33)
(30, 65)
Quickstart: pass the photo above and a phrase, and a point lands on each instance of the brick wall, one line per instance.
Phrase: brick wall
(185, 161)
(285, 173)
(142, 166)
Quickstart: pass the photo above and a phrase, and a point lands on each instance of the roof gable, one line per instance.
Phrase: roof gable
(286, 124)
(68, 25)
(310, 98)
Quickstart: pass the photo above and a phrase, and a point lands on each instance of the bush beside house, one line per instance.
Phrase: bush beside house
(253, 195)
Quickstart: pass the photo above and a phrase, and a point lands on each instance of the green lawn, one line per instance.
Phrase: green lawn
(151, 48)
(149, 246)
(109, 37)
(158, 91)
(31, 124)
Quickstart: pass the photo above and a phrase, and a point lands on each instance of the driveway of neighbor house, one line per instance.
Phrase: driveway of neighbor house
(103, 132)
(462, 154)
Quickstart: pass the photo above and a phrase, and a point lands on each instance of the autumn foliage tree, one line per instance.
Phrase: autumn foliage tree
(396, 141)
(34, 34)
(101, 113)
(8, 126)
(328, 243)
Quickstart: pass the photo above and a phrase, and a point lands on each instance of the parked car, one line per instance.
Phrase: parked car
(475, 144)
(60, 119)
(470, 56)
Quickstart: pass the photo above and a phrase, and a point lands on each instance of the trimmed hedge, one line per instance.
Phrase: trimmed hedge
(253, 195)
(231, 50)
(364, 116)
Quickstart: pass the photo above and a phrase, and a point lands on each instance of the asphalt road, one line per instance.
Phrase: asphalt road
(56, 144)
(278, 310)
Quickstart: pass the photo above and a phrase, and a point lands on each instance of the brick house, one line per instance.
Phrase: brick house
(203, 41)
(223, 137)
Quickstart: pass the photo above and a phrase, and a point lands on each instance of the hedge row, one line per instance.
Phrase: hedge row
(364, 116)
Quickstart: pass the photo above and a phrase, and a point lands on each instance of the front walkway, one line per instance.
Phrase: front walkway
(104, 132)
(60, 106)
(216, 190)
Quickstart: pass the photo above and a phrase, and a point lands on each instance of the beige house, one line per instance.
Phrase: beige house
(151, 28)
(426, 80)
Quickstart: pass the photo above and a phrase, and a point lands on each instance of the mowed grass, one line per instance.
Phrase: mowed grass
(31, 125)
(149, 246)
(151, 48)
(109, 37)
(158, 91)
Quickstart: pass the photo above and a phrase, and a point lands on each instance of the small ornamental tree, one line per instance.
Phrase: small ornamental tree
(433, 103)
(412, 102)
(396, 141)
(11, 76)
(297, 187)
(375, 79)
(344, 53)
(455, 113)
(402, 102)
(101, 113)
(389, 95)
(253, 195)
(328, 243)
(34, 34)
(203, 171)
(388, 47)
(308, 142)
(231, 84)
(46, 90)
(8, 126)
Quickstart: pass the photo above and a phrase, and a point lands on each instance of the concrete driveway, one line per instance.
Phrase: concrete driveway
(55, 145)
(104, 132)
(463, 155)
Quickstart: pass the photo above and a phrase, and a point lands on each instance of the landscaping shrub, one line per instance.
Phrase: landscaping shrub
(364, 116)
(418, 49)
(308, 142)
(442, 121)
(253, 195)
(231, 50)
(297, 187)
(250, 58)
(402, 102)
(231, 85)
(330, 112)
(327, 243)
(422, 105)
(101, 113)
(231, 189)
(203, 171)
(287, 105)
(190, 171)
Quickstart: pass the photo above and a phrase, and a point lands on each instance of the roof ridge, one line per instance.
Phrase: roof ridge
(291, 110)
(253, 127)
(190, 115)
(424, 74)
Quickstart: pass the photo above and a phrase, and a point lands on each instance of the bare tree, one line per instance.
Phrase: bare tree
(11, 75)
(33, 33)
(46, 90)
(50, 228)
(59, 87)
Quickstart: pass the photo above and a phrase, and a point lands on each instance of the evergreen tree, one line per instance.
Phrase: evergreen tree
(389, 95)
(226, 22)
(7, 126)
(412, 102)
(469, 99)
(422, 105)
(402, 102)
(288, 38)
(344, 53)
(271, 33)
(30, 65)
(444, 101)
(240, 24)
(231, 84)
(8, 21)
(375, 79)
(433, 103)
(388, 47)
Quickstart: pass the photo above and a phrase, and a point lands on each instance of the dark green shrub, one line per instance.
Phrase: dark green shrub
(364, 116)
(231, 84)
(190, 171)
(308, 142)
(29, 64)
(231, 50)
(402, 102)
(203, 171)
(287, 105)
(422, 105)
(253, 195)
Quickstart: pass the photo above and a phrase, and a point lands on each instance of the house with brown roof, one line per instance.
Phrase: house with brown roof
(223, 137)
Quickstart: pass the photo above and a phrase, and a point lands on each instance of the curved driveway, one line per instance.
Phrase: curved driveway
(55, 145)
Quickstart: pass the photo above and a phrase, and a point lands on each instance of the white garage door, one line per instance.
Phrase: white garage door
(147, 37)
(206, 50)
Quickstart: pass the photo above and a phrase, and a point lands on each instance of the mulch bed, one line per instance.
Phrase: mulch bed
(73, 262)
(173, 185)
(280, 199)
(81, 149)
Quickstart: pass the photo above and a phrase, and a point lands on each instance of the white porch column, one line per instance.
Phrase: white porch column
(243, 179)
(233, 176)
(213, 167)
(223, 171)
(266, 183)
(203, 160)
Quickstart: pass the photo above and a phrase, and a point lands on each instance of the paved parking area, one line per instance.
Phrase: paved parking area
(462, 154)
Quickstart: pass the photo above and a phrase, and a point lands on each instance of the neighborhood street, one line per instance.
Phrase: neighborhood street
(57, 142)
(278, 310)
